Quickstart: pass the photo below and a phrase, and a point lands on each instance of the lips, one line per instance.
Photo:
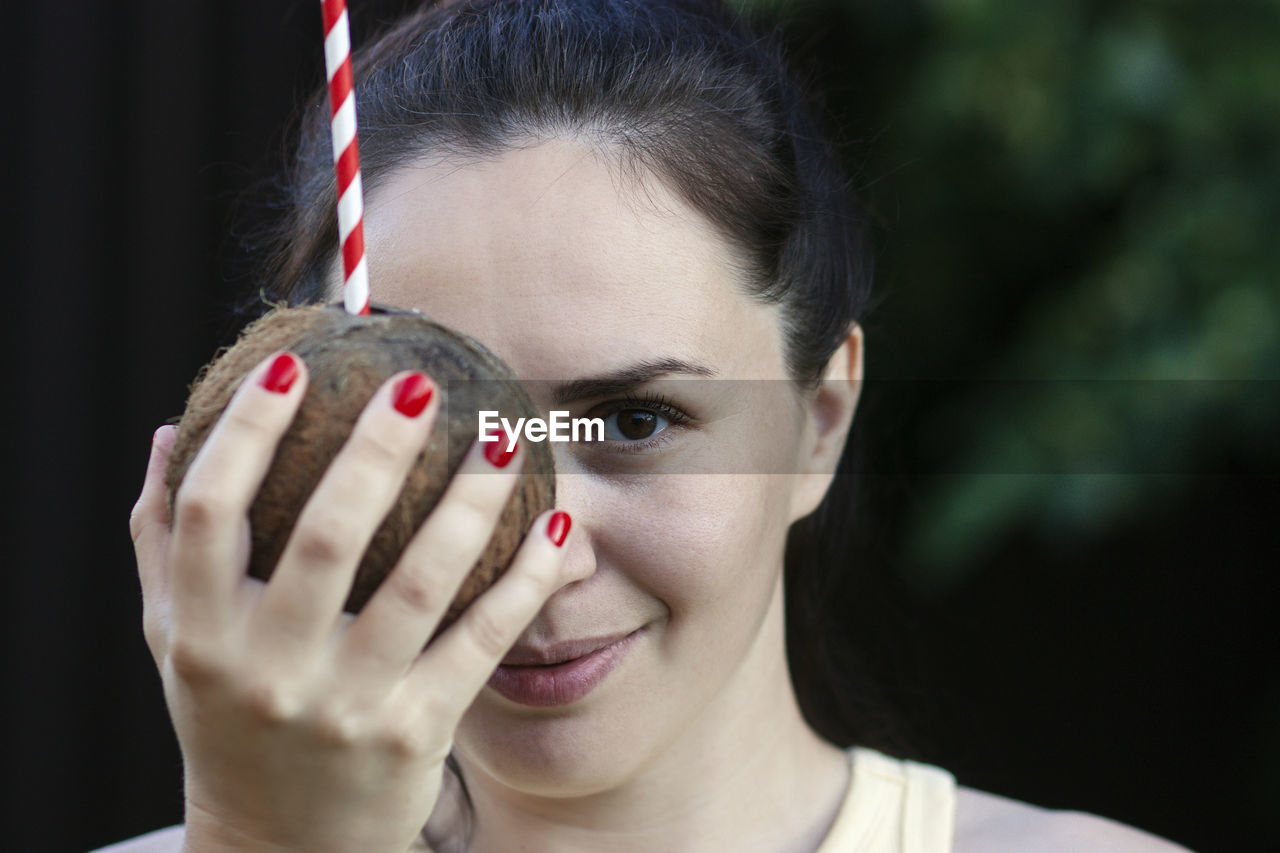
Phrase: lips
(558, 653)
(546, 683)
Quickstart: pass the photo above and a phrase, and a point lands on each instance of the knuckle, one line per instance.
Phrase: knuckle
(197, 511)
(339, 728)
(543, 576)
(137, 521)
(377, 448)
(418, 593)
(193, 662)
(469, 524)
(155, 631)
(455, 535)
(240, 420)
(157, 642)
(487, 494)
(326, 539)
(271, 701)
(530, 588)
(487, 632)
(407, 741)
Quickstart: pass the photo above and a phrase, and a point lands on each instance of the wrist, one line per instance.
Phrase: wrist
(205, 833)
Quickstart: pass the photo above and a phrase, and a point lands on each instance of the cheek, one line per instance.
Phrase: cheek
(705, 545)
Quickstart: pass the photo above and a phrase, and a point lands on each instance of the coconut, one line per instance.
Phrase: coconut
(348, 357)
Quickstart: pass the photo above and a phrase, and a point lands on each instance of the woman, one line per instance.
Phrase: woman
(629, 203)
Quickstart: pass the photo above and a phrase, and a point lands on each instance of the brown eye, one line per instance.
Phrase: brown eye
(632, 424)
(636, 424)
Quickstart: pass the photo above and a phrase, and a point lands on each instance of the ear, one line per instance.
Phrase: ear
(829, 413)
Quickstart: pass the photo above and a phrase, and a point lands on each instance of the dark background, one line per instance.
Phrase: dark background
(1073, 195)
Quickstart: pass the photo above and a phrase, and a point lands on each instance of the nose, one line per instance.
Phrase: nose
(579, 563)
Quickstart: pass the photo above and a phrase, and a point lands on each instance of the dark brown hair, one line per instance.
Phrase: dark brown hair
(682, 90)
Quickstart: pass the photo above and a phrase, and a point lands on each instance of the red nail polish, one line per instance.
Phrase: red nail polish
(411, 394)
(281, 374)
(496, 451)
(558, 527)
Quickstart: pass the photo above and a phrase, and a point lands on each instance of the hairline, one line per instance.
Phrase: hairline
(625, 166)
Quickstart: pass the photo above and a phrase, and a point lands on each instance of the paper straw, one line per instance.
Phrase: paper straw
(346, 155)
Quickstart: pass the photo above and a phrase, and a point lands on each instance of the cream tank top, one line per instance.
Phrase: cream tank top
(893, 806)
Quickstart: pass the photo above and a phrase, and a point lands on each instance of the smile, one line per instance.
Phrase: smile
(552, 685)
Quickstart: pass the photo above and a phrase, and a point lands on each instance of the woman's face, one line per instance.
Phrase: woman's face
(569, 271)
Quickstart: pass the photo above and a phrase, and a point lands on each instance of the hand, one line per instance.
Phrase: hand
(301, 727)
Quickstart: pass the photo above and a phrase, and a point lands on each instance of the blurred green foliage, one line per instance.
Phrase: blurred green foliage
(1085, 197)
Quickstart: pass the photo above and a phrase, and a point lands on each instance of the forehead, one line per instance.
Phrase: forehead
(561, 265)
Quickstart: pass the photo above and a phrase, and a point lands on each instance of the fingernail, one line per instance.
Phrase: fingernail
(496, 451)
(281, 374)
(558, 527)
(411, 394)
(162, 435)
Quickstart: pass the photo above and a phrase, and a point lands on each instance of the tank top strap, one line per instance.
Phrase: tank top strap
(929, 813)
(893, 806)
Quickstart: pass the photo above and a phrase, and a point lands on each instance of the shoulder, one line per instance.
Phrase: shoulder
(993, 824)
(170, 840)
(161, 841)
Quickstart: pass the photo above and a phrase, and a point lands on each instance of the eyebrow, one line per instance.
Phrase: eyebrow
(627, 379)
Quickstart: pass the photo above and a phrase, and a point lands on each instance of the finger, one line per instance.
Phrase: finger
(149, 525)
(212, 504)
(465, 656)
(389, 633)
(149, 520)
(311, 582)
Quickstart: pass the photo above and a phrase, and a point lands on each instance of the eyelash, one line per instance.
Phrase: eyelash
(658, 404)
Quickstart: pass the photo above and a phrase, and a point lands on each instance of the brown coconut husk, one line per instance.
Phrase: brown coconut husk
(348, 357)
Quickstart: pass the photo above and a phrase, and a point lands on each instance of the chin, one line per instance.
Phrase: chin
(560, 754)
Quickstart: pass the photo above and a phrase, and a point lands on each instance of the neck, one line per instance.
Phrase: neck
(748, 774)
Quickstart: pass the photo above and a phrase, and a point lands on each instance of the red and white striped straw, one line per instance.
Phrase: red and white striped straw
(346, 155)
